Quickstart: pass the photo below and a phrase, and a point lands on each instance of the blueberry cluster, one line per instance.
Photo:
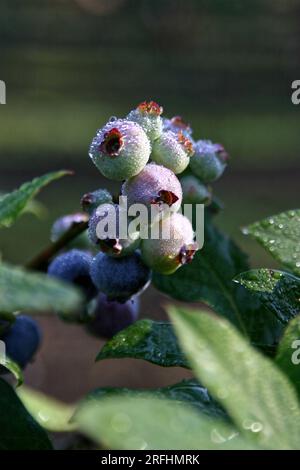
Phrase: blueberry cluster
(145, 153)
(22, 339)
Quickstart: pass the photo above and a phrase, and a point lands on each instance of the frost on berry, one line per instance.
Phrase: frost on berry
(90, 201)
(173, 247)
(106, 232)
(112, 142)
(172, 150)
(148, 116)
(153, 185)
(177, 124)
(120, 149)
(120, 278)
(209, 161)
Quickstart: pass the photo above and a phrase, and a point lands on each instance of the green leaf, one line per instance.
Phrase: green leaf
(25, 290)
(255, 393)
(280, 235)
(49, 413)
(209, 279)
(146, 339)
(13, 368)
(277, 290)
(186, 391)
(148, 423)
(13, 204)
(18, 430)
(288, 354)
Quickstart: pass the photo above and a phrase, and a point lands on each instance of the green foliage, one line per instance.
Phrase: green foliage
(209, 279)
(13, 204)
(280, 235)
(255, 393)
(148, 340)
(146, 422)
(186, 391)
(288, 355)
(13, 368)
(277, 290)
(48, 412)
(18, 430)
(25, 290)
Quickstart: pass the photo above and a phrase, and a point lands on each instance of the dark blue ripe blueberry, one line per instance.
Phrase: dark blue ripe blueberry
(120, 278)
(110, 317)
(74, 267)
(22, 340)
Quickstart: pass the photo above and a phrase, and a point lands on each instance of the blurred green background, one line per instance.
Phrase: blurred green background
(225, 65)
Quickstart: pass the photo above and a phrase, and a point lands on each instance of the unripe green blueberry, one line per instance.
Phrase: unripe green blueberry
(209, 161)
(120, 149)
(90, 201)
(148, 116)
(64, 223)
(155, 184)
(172, 151)
(105, 231)
(174, 247)
(194, 191)
(177, 124)
(120, 278)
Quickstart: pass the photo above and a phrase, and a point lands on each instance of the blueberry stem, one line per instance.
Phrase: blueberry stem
(40, 262)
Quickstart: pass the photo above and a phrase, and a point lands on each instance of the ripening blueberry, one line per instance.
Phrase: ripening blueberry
(22, 340)
(177, 124)
(64, 223)
(209, 161)
(90, 201)
(148, 116)
(74, 267)
(120, 278)
(120, 149)
(194, 191)
(173, 246)
(108, 317)
(155, 184)
(172, 150)
(105, 230)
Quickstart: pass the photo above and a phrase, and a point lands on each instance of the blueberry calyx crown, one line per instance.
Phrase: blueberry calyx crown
(150, 107)
(110, 245)
(186, 144)
(187, 253)
(112, 143)
(165, 197)
(178, 122)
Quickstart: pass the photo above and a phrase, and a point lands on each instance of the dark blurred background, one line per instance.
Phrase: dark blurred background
(226, 66)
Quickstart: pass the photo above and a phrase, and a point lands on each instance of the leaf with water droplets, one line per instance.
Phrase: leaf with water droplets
(277, 290)
(280, 236)
(209, 279)
(187, 391)
(146, 422)
(146, 339)
(50, 413)
(288, 354)
(14, 203)
(256, 394)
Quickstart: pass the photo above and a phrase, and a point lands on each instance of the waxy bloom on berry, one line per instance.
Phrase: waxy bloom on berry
(209, 161)
(148, 116)
(172, 150)
(120, 149)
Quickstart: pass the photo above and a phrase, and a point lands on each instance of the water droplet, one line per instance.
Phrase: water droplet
(113, 119)
(256, 427)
